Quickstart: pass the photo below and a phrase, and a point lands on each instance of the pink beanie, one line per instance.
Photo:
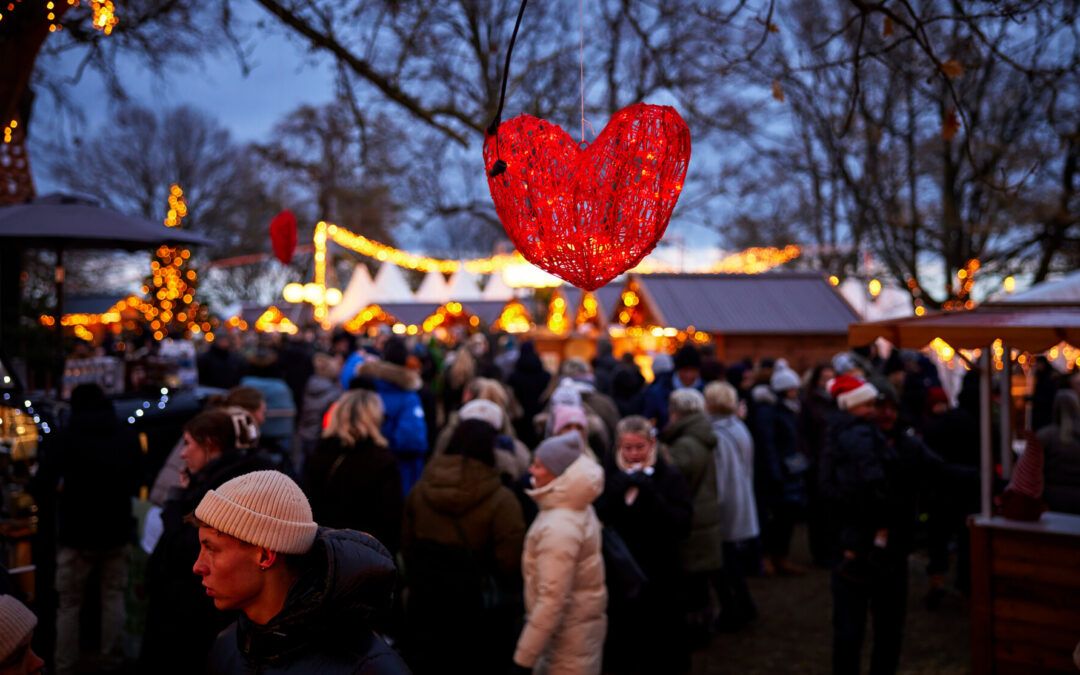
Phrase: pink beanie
(263, 508)
(16, 624)
(565, 415)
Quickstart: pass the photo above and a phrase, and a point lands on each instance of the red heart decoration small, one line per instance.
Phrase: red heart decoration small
(283, 235)
(588, 215)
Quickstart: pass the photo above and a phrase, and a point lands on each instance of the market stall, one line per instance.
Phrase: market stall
(1025, 594)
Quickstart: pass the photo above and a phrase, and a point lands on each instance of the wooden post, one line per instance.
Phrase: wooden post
(1005, 423)
(986, 473)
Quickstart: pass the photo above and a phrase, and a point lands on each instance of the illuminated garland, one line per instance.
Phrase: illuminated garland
(557, 321)
(750, 261)
(513, 319)
(273, 321)
(103, 14)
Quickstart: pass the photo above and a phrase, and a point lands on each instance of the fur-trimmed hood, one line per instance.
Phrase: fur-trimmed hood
(401, 377)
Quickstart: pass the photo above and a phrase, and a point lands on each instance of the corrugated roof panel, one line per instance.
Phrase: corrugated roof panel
(771, 303)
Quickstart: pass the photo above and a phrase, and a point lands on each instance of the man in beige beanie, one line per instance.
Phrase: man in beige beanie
(16, 631)
(306, 595)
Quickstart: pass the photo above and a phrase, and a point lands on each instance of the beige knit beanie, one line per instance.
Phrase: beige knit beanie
(16, 624)
(263, 508)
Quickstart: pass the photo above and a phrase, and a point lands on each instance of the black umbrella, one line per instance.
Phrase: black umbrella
(61, 222)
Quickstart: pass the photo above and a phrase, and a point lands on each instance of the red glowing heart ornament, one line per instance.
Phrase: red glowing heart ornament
(588, 215)
(283, 235)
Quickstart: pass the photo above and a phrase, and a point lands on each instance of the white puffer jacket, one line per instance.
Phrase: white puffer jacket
(563, 567)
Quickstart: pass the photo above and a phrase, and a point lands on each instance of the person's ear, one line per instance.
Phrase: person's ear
(267, 558)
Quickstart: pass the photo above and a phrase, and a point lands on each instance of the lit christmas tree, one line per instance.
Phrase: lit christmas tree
(172, 309)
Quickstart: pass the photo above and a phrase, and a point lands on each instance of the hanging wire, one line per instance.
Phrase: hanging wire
(493, 129)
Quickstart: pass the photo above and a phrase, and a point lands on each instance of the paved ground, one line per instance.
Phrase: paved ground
(793, 633)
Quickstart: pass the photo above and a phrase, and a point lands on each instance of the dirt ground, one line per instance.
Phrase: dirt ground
(793, 632)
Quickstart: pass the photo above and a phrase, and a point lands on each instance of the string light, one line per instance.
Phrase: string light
(557, 321)
(105, 19)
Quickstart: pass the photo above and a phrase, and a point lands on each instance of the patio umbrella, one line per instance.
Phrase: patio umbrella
(61, 222)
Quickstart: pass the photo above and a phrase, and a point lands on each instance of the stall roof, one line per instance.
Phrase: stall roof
(1065, 290)
(488, 311)
(410, 312)
(773, 303)
(1033, 328)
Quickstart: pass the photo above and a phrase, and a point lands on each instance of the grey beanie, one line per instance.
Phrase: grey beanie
(784, 379)
(559, 452)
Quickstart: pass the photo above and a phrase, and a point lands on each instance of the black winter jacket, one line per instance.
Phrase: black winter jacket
(356, 487)
(181, 620)
(94, 464)
(325, 627)
(853, 481)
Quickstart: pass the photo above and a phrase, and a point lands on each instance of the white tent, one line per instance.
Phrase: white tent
(433, 289)
(497, 289)
(390, 285)
(464, 286)
(891, 303)
(356, 297)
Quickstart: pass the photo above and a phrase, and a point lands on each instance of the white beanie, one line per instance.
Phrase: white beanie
(16, 624)
(483, 410)
(784, 379)
(263, 508)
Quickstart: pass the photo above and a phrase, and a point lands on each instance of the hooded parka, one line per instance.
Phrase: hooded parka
(563, 566)
(691, 443)
(461, 505)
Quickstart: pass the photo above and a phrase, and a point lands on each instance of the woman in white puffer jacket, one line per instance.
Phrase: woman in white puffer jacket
(563, 565)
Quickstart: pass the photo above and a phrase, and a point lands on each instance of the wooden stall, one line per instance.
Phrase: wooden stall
(795, 315)
(1025, 595)
(1025, 592)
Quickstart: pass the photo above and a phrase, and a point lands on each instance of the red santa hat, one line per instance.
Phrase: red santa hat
(1027, 478)
(851, 391)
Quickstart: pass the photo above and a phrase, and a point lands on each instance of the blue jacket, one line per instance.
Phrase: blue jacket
(403, 416)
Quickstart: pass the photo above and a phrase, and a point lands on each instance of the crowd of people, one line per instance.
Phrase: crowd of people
(394, 506)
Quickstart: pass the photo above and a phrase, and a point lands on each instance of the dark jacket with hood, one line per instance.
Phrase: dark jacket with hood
(463, 536)
(181, 621)
(356, 487)
(691, 443)
(346, 581)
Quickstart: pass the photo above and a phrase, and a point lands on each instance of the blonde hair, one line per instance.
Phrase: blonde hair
(721, 397)
(487, 389)
(357, 415)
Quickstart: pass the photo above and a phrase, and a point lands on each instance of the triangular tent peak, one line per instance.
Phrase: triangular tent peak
(464, 286)
(356, 296)
(433, 288)
(390, 285)
(497, 289)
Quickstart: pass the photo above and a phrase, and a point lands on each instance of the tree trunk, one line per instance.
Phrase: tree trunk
(22, 34)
